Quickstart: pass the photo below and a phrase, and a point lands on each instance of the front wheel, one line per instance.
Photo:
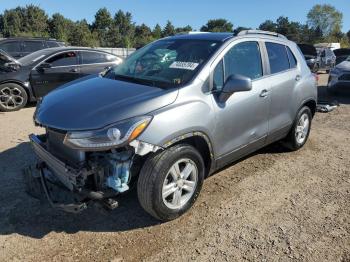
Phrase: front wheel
(300, 131)
(12, 97)
(170, 182)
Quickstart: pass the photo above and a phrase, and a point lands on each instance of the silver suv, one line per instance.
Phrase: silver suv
(173, 113)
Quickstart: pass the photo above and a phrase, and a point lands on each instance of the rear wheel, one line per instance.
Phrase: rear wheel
(170, 182)
(300, 131)
(12, 97)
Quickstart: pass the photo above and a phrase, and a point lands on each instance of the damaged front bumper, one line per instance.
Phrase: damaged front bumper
(60, 184)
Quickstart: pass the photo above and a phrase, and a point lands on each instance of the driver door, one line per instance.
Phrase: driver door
(53, 72)
(242, 120)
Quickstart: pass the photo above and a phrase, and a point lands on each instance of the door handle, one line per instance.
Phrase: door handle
(264, 93)
(74, 70)
(297, 78)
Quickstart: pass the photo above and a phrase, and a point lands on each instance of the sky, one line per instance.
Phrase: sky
(248, 13)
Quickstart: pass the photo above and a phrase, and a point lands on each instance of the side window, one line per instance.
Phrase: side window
(244, 59)
(96, 57)
(292, 59)
(278, 57)
(64, 59)
(9, 47)
(218, 76)
(32, 46)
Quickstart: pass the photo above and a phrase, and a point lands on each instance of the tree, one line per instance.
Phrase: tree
(157, 32)
(185, 29)
(143, 36)
(325, 17)
(348, 35)
(268, 25)
(217, 25)
(102, 24)
(12, 22)
(80, 35)
(168, 30)
(126, 28)
(35, 21)
(59, 27)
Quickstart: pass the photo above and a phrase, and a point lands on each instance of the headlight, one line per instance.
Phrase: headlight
(116, 135)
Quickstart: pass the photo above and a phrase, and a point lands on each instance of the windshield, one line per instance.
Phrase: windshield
(33, 57)
(165, 63)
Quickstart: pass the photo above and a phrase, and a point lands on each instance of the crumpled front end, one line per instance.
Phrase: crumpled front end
(71, 179)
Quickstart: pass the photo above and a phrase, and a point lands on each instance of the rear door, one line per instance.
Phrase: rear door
(63, 68)
(94, 62)
(283, 78)
(30, 46)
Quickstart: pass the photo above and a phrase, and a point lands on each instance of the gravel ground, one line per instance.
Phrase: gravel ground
(273, 205)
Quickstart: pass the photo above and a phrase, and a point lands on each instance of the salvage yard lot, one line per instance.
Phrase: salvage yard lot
(273, 205)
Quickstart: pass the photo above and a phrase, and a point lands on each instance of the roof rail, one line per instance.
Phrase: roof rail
(260, 32)
(191, 33)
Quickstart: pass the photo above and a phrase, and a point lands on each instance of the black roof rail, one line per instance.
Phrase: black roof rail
(260, 32)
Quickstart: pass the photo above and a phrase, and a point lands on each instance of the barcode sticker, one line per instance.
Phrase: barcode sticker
(184, 65)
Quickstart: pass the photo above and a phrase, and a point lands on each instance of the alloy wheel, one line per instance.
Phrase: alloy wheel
(11, 97)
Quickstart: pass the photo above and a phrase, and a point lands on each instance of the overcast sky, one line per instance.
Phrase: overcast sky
(249, 13)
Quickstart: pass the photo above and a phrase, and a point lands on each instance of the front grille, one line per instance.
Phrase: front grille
(345, 77)
(58, 149)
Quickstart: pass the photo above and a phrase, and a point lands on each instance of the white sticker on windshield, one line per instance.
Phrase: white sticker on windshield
(184, 65)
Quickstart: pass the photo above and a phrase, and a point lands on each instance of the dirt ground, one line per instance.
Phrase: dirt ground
(272, 206)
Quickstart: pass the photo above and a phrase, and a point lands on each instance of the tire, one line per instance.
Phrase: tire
(12, 97)
(157, 176)
(293, 141)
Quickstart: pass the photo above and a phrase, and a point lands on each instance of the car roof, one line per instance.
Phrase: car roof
(221, 37)
(30, 38)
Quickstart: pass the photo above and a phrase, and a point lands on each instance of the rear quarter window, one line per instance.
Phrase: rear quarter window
(278, 57)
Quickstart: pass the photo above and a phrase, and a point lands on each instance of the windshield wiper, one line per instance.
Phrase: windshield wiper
(136, 80)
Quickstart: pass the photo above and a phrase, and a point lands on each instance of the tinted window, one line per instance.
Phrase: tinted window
(218, 76)
(292, 59)
(32, 46)
(96, 57)
(278, 57)
(64, 59)
(11, 47)
(52, 44)
(244, 59)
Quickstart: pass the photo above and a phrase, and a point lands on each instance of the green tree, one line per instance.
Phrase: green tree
(143, 35)
(12, 22)
(268, 25)
(124, 24)
(35, 21)
(80, 35)
(325, 17)
(59, 27)
(102, 24)
(168, 30)
(185, 29)
(218, 25)
(157, 32)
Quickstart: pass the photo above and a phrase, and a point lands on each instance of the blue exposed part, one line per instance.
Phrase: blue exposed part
(119, 171)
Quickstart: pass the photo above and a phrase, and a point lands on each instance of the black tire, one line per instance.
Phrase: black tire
(152, 177)
(291, 141)
(12, 97)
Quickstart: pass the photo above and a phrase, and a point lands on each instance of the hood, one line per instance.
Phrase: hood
(7, 61)
(308, 50)
(345, 65)
(95, 102)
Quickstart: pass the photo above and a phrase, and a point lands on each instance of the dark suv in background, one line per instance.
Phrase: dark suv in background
(19, 47)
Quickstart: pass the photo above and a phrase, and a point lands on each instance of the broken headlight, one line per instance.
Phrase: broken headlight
(116, 135)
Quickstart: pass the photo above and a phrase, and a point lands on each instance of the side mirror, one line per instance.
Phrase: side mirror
(235, 83)
(44, 66)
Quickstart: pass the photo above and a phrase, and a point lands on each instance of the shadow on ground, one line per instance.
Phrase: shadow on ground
(24, 215)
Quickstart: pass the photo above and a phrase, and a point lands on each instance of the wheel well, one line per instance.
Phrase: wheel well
(312, 105)
(203, 148)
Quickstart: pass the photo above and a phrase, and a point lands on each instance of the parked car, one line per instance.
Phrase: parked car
(7, 62)
(341, 55)
(21, 46)
(326, 59)
(40, 72)
(310, 54)
(171, 114)
(339, 76)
